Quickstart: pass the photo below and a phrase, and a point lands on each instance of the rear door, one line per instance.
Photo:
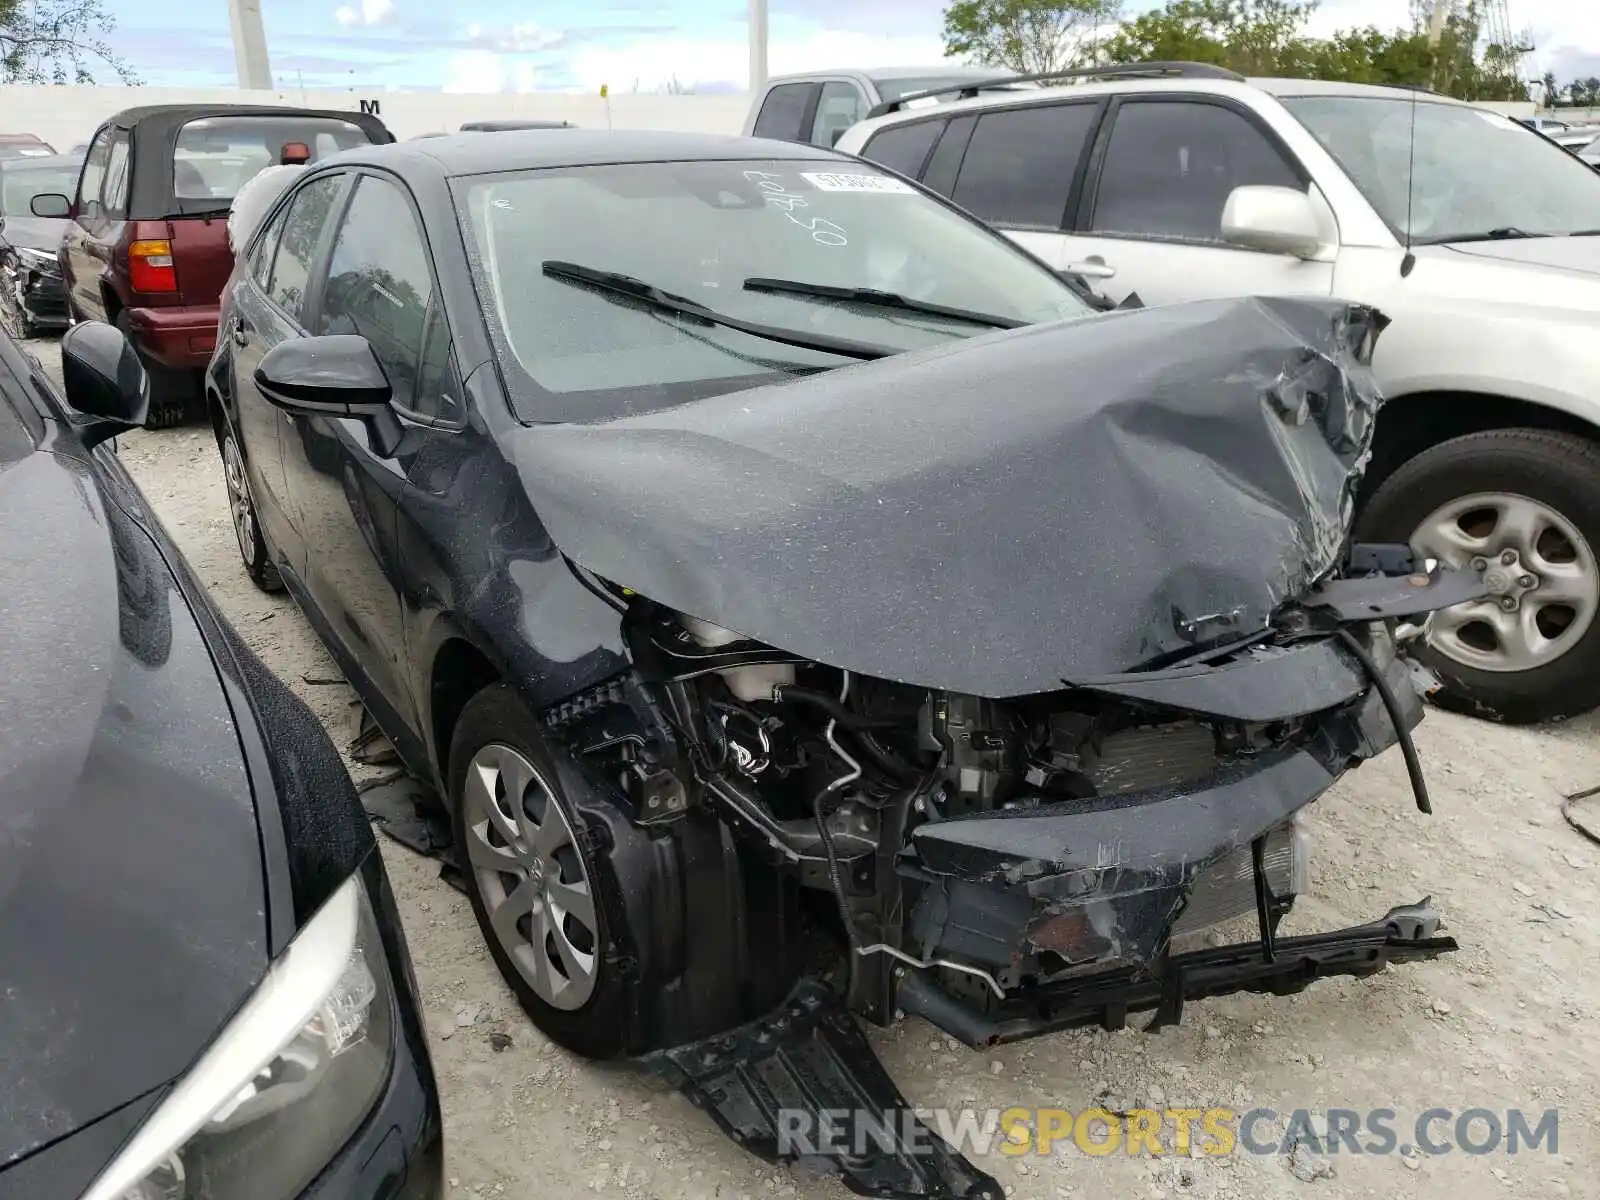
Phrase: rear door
(83, 256)
(270, 305)
(379, 284)
(1149, 217)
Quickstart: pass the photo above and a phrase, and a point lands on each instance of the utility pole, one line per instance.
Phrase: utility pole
(758, 45)
(249, 45)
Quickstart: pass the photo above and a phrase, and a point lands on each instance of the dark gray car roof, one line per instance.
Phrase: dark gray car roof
(520, 150)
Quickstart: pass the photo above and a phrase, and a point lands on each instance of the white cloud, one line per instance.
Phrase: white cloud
(651, 63)
(371, 12)
(521, 38)
(484, 71)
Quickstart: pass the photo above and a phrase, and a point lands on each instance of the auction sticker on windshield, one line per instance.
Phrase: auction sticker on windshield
(833, 181)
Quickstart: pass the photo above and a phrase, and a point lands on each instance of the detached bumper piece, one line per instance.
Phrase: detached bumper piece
(1278, 966)
(803, 1086)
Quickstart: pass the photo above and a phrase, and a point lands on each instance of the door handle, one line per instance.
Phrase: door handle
(240, 338)
(1092, 268)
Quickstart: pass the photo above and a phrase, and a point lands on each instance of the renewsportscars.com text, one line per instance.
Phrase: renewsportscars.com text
(1180, 1131)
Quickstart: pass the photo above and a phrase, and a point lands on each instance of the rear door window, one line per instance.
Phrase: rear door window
(216, 155)
(904, 148)
(1170, 166)
(783, 112)
(308, 213)
(94, 174)
(1021, 162)
(114, 192)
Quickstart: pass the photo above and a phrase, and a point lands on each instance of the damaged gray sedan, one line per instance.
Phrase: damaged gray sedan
(820, 613)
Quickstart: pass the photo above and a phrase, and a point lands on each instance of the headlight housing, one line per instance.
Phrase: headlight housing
(38, 260)
(285, 1084)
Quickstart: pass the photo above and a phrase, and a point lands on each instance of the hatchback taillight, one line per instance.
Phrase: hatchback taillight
(150, 267)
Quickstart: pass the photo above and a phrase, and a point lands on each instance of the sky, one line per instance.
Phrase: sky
(528, 45)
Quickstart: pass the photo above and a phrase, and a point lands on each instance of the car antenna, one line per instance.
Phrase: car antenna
(1410, 259)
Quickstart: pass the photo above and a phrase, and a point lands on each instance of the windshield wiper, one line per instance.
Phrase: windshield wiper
(823, 291)
(614, 283)
(1504, 233)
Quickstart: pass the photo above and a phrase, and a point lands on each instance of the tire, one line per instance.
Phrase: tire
(497, 737)
(253, 548)
(1465, 499)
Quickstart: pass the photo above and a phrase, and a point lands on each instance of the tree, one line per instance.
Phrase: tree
(1027, 36)
(1253, 37)
(57, 41)
(1552, 93)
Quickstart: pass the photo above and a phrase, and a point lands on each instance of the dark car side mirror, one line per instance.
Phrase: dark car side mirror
(335, 375)
(104, 380)
(50, 204)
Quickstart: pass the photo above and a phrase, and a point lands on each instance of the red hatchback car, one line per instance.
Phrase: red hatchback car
(147, 247)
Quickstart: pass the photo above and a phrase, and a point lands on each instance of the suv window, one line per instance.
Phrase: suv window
(94, 173)
(436, 373)
(215, 155)
(904, 148)
(783, 112)
(840, 106)
(379, 282)
(1171, 165)
(114, 192)
(308, 213)
(1019, 166)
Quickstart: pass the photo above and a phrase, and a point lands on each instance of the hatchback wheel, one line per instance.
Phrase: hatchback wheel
(246, 528)
(1522, 507)
(533, 876)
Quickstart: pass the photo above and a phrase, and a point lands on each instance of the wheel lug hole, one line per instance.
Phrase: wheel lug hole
(1509, 603)
(1508, 557)
(1479, 563)
(1527, 581)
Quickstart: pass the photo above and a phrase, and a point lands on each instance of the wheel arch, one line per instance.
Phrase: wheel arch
(458, 672)
(1412, 422)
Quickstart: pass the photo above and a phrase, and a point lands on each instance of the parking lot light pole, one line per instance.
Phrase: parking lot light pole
(758, 45)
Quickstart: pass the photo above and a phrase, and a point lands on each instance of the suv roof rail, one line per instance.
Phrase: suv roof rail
(1141, 70)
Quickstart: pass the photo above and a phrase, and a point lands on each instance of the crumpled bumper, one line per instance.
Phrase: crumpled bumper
(1057, 896)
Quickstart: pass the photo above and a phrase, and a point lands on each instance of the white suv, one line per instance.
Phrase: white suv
(1196, 183)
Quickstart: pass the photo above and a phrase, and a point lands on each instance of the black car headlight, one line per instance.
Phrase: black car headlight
(287, 1081)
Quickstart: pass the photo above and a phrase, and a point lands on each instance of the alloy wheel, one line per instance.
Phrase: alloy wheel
(1541, 574)
(531, 876)
(239, 503)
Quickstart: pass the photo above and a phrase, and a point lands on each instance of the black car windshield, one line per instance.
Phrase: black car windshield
(20, 184)
(1478, 174)
(216, 155)
(702, 231)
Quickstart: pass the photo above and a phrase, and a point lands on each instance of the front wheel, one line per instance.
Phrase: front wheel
(1522, 506)
(531, 875)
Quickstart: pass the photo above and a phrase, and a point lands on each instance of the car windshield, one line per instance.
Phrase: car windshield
(216, 155)
(19, 185)
(705, 232)
(1477, 174)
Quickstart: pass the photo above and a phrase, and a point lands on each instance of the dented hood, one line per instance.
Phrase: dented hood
(1063, 502)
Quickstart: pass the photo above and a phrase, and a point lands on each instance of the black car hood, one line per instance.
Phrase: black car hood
(132, 921)
(1063, 502)
(36, 233)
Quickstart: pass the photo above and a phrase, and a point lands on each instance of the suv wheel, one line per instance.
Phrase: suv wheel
(1523, 507)
(246, 528)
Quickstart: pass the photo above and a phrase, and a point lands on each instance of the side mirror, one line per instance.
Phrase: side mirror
(1276, 219)
(104, 380)
(50, 204)
(336, 375)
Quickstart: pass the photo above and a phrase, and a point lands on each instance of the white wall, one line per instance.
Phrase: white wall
(65, 115)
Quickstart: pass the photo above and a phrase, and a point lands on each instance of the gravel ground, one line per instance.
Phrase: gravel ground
(1508, 1022)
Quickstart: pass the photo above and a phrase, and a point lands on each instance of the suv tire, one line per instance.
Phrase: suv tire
(1487, 486)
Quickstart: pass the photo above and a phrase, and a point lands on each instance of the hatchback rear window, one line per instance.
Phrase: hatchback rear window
(216, 155)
